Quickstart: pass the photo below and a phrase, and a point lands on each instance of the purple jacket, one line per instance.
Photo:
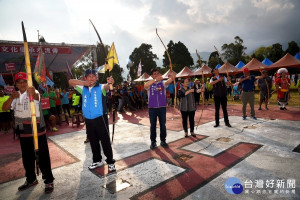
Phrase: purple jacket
(157, 95)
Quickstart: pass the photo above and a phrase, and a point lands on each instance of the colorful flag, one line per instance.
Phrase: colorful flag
(112, 57)
(139, 69)
(40, 68)
(49, 82)
(69, 73)
(2, 82)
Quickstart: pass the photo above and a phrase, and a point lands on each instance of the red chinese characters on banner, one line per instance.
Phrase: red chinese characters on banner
(45, 103)
(10, 66)
(9, 89)
(34, 49)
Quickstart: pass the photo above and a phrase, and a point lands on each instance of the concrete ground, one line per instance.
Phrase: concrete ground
(257, 152)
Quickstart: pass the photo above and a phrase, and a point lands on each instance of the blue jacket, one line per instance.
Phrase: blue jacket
(92, 102)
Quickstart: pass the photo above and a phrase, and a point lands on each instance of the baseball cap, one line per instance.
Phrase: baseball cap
(245, 70)
(21, 75)
(90, 71)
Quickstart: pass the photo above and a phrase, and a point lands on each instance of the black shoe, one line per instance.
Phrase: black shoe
(153, 145)
(163, 144)
(216, 125)
(49, 188)
(284, 108)
(259, 108)
(227, 124)
(186, 135)
(27, 185)
(281, 108)
(193, 134)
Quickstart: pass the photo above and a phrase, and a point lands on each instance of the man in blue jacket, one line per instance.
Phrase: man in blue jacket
(94, 112)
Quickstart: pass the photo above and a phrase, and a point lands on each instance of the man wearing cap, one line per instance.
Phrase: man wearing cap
(156, 89)
(247, 81)
(220, 96)
(20, 103)
(95, 114)
(265, 86)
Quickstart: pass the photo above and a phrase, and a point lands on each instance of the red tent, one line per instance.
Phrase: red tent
(142, 78)
(185, 72)
(168, 74)
(286, 61)
(206, 71)
(227, 67)
(254, 65)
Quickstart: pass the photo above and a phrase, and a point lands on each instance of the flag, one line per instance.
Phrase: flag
(129, 78)
(69, 73)
(101, 69)
(49, 82)
(40, 68)
(112, 57)
(139, 69)
(2, 82)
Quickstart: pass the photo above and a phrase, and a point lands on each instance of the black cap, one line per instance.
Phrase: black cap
(90, 71)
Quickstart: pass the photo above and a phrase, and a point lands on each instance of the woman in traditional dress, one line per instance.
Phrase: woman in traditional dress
(282, 83)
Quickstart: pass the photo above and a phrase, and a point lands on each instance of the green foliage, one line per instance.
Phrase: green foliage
(276, 52)
(234, 52)
(180, 56)
(214, 60)
(293, 48)
(144, 54)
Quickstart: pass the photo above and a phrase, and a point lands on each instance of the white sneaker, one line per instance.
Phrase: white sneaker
(96, 165)
(111, 168)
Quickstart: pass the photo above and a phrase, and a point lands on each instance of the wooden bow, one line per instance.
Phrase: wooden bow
(202, 89)
(107, 71)
(32, 105)
(171, 68)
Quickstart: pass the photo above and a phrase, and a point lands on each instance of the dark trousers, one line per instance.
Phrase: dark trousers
(161, 114)
(66, 107)
(28, 157)
(191, 116)
(97, 130)
(172, 97)
(223, 101)
(197, 98)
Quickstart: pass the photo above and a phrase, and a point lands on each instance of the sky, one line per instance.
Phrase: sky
(199, 24)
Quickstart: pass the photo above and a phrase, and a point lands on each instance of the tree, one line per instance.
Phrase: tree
(234, 52)
(180, 56)
(293, 48)
(261, 53)
(144, 54)
(276, 52)
(214, 60)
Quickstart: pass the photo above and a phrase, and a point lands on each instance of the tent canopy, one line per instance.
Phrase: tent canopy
(287, 61)
(143, 77)
(297, 56)
(254, 65)
(185, 72)
(240, 65)
(206, 71)
(267, 62)
(56, 55)
(168, 74)
(227, 67)
(218, 66)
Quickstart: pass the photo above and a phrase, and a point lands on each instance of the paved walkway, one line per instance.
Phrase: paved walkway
(257, 152)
